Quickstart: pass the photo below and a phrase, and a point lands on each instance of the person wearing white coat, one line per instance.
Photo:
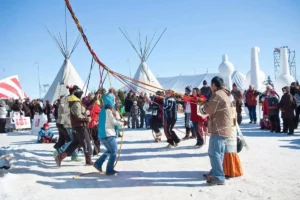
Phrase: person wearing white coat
(3, 114)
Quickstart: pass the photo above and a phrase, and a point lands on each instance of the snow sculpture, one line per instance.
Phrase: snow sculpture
(284, 78)
(226, 69)
(255, 76)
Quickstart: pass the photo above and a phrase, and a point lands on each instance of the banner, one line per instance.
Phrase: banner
(19, 121)
(38, 122)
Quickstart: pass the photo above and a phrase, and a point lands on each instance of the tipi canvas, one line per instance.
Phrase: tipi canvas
(67, 75)
(143, 73)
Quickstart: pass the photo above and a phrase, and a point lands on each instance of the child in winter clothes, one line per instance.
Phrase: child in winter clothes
(135, 113)
(273, 114)
(45, 135)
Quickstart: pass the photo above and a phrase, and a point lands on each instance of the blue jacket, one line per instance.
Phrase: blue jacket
(44, 133)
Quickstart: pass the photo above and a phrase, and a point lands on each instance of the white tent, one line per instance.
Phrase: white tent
(178, 83)
(67, 75)
(143, 73)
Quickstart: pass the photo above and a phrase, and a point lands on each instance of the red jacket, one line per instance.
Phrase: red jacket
(265, 106)
(194, 101)
(251, 98)
(94, 111)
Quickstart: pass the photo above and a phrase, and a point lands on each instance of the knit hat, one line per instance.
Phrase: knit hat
(135, 103)
(204, 82)
(46, 125)
(234, 85)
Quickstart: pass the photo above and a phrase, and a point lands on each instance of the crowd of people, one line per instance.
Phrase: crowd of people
(86, 122)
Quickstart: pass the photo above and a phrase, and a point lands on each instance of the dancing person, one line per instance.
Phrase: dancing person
(238, 99)
(157, 115)
(198, 121)
(94, 109)
(170, 118)
(79, 121)
(251, 100)
(273, 104)
(107, 134)
(187, 116)
(220, 127)
(231, 162)
(287, 105)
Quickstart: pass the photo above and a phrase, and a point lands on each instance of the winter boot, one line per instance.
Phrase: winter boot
(158, 137)
(187, 135)
(88, 160)
(59, 158)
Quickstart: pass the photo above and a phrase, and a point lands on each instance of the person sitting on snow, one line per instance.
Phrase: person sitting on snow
(45, 135)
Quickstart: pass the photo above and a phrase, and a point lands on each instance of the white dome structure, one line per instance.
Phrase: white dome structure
(285, 78)
(255, 76)
(226, 69)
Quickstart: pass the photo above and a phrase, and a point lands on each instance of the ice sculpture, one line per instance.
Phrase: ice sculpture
(226, 69)
(284, 78)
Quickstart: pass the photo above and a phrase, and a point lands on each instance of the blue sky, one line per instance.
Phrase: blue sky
(198, 33)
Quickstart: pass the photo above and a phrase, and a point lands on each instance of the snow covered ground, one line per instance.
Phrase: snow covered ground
(150, 171)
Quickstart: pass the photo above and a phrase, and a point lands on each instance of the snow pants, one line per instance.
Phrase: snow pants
(135, 121)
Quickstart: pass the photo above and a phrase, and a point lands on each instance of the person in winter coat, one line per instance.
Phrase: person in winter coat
(287, 105)
(297, 97)
(48, 110)
(140, 103)
(28, 107)
(79, 121)
(220, 127)
(251, 101)
(238, 99)
(157, 115)
(93, 125)
(148, 113)
(187, 116)
(135, 113)
(37, 109)
(45, 135)
(65, 114)
(3, 114)
(107, 134)
(198, 121)
(273, 104)
(55, 107)
(128, 105)
(170, 118)
(206, 90)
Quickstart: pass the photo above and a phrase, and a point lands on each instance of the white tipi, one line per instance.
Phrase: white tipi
(67, 75)
(143, 73)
